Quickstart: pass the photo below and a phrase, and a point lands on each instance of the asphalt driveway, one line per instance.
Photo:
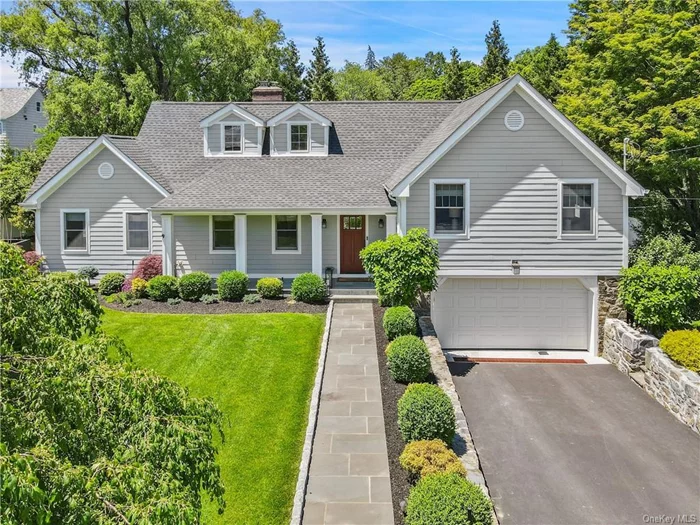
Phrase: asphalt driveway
(577, 445)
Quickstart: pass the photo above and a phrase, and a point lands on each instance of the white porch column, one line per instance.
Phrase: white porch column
(37, 229)
(591, 284)
(317, 244)
(390, 223)
(241, 243)
(401, 205)
(168, 245)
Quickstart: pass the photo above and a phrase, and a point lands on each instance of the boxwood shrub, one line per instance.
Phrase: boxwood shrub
(398, 321)
(269, 287)
(683, 346)
(194, 285)
(111, 283)
(447, 499)
(162, 288)
(425, 412)
(408, 359)
(309, 288)
(232, 285)
(421, 458)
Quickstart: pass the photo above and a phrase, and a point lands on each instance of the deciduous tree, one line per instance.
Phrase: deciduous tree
(542, 67)
(354, 83)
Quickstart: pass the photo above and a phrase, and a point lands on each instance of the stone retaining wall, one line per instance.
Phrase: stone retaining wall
(675, 387)
(609, 305)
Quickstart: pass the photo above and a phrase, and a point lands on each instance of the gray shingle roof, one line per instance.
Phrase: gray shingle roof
(13, 99)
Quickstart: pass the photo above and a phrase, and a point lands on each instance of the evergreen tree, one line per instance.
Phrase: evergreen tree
(291, 73)
(371, 60)
(319, 80)
(494, 67)
(454, 87)
(542, 67)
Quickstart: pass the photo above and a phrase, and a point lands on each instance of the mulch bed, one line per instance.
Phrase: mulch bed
(264, 306)
(391, 393)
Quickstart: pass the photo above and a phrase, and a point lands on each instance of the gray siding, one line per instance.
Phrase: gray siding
(330, 243)
(250, 139)
(316, 132)
(19, 132)
(513, 178)
(318, 139)
(374, 232)
(107, 200)
(192, 247)
(261, 260)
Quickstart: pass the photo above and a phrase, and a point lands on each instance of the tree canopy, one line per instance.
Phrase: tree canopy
(542, 67)
(319, 79)
(454, 86)
(494, 67)
(355, 83)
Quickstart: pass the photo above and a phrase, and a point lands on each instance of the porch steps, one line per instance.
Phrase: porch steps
(351, 295)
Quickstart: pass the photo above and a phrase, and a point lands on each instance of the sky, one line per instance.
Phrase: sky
(411, 27)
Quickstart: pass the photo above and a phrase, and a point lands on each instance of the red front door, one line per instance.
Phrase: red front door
(352, 240)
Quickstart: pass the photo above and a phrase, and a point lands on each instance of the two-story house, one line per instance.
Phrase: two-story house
(21, 116)
(528, 212)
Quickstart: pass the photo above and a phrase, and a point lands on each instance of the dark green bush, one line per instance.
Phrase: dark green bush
(111, 283)
(402, 266)
(425, 412)
(666, 250)
(162, 288)
(269, 287)
(399, 320)
(661, 298)
(232, 285)
(408, 359)
(309, 288)
(448, 499)
(194, 285)
(683, 346)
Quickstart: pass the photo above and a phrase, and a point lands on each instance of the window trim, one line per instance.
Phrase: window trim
(65, 250)
(593, 234)
(289, 137)
(466, 234)
(222, 130)
(274, 234)
(125, 232)
(212, 250)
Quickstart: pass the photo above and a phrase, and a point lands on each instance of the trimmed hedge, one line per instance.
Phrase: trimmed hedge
(683, 346)
(269, 287)
(232, 285)
(425, 412)
(408, 359)
(111, 283)
(447, 499)
(398, 321)
(421, 458)
(309, 288)
(162, 288)
(194, 285)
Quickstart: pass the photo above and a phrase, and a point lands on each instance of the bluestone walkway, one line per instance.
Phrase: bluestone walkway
(349, 472)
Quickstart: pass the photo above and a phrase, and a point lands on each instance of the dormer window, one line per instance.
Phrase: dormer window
(299, 138)
(232, 138)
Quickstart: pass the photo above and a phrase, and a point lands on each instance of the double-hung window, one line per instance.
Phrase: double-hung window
(232, 138)
(578, 208)
(285, 235)
(137, 231)
(299, 138)
(75, 230)
(449, 207)
(223, 233)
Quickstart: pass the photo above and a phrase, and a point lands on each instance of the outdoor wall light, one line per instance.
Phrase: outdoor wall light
(324, 224)
(516, 267)
(329, 276)
(381, 224)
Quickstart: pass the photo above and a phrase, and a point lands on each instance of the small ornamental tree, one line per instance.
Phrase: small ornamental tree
(149, 267)
(86, 437)
(402, 266)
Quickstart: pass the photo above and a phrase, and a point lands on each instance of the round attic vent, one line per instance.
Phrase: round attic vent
(106, 170)
(514, 120)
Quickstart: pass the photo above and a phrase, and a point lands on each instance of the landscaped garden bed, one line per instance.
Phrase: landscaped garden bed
(283, 305)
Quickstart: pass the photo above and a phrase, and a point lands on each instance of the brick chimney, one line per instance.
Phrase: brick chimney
(268, 92)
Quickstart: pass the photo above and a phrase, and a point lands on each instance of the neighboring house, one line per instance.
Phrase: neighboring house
(21, 116)
(528, 212)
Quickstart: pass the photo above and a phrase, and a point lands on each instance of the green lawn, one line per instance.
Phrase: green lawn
(260, 370)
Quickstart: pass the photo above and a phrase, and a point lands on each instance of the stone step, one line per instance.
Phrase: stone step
(354, 298)
(353, 291)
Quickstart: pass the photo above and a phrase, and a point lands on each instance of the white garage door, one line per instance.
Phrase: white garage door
(549, 314)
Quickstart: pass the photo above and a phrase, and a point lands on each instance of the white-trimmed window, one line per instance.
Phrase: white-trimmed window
(222, 234)
(137, 231)
(449, 207)
(299, 138)
(231, 138)
(286, 234)
(577, 208)
(75, 230)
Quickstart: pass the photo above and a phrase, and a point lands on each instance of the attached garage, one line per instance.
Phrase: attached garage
(512, 313)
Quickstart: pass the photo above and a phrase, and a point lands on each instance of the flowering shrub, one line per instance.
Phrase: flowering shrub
(126, 285)
(138, 287)
(33, 258)
(149, 267)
